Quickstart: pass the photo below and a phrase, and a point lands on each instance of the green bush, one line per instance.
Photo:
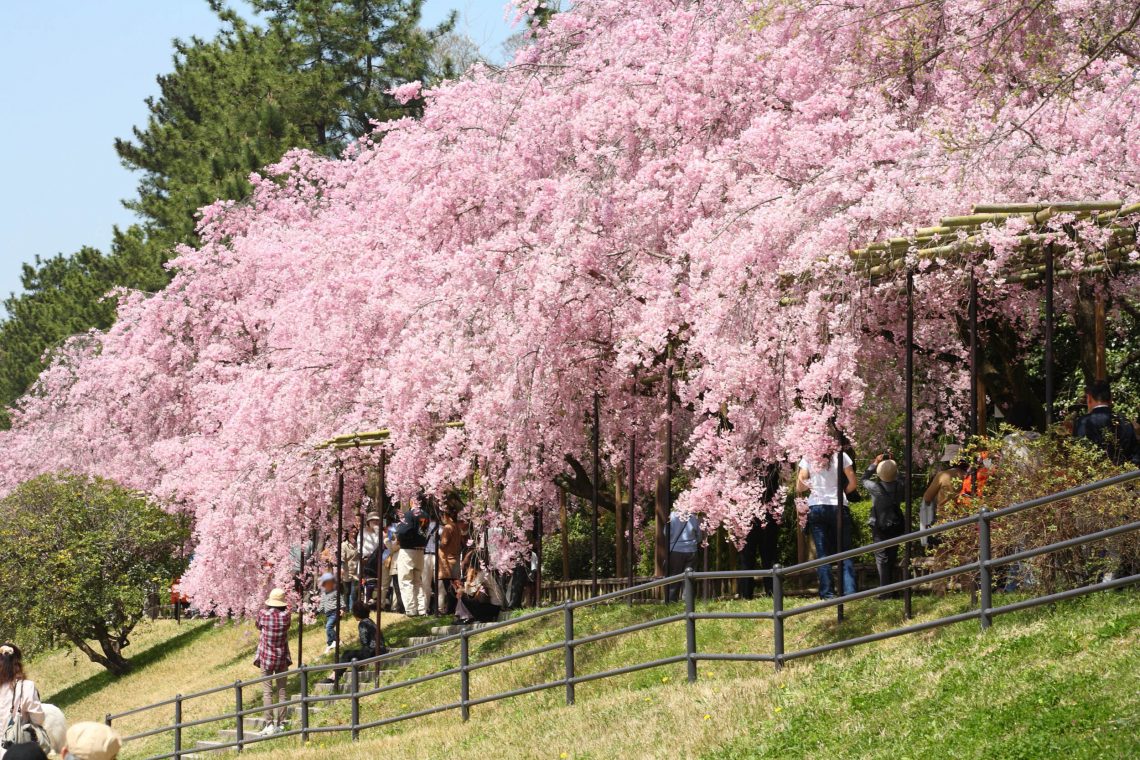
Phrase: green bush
(78, 556)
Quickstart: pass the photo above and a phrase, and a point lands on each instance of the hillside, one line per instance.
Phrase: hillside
(1042, 683)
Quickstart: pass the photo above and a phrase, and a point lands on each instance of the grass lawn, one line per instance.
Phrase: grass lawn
(1059, 681)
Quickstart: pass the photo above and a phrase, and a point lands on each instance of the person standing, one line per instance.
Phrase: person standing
(21, 700)
(1106, 430)
(273, 657)
(886, 518)
(412, 537)
(429, 577)
(329, 606)
(763, 537)
(350, 556)
(685, 538)
(825, 499)
(452, 539)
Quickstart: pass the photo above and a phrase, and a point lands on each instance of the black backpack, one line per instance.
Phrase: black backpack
(889, 520)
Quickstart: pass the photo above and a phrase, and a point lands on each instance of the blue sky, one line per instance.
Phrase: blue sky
(73, 76)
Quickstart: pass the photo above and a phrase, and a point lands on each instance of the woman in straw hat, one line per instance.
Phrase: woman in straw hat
(273, 657)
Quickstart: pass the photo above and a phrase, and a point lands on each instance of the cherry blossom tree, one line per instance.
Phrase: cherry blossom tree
(668, 182)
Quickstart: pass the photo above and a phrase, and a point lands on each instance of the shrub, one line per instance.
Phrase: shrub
(1027, 468)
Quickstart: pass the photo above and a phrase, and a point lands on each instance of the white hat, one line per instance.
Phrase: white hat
(93, 741)
(276, 598)
(326, 577)
(951, 452)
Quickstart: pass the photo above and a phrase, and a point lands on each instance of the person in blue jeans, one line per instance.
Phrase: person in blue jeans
(824, 498)
(329, 606)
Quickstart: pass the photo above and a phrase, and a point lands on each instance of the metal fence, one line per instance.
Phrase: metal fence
(361, 689)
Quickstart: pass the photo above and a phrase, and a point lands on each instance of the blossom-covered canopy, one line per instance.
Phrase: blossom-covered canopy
(666, 174)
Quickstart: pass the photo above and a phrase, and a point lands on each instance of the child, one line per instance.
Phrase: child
(329, 606)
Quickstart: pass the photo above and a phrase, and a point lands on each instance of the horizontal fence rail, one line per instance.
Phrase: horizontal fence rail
(571, 639)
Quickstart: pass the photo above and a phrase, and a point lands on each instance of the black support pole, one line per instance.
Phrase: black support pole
(339, 553)
(909, 440)
(632, 513)
(301, 611)
(973, 317)
(841, 499)
(594, 498)
(381, 491)
(1049, 317)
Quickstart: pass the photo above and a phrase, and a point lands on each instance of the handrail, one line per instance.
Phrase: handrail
(570, 641)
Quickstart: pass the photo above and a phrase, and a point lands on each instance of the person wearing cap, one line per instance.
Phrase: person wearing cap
(886, 518)
(329, 606)
(92, 741)
(945, 486)
(273, 656)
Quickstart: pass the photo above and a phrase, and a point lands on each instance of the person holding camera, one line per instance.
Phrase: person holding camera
(886, 518)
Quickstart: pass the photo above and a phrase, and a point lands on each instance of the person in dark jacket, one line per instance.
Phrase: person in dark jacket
(368, 632)
(412, 535)
(1106, 430)
(886, 518)
(763, 537)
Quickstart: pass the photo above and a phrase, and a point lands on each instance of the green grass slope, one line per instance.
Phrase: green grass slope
(1057, 681)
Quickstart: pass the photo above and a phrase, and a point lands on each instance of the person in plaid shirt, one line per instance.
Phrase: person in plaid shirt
(273, 656)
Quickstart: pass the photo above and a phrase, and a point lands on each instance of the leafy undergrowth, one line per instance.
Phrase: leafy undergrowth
(1044, 682)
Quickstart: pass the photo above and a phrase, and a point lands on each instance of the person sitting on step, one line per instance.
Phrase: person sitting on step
(369, 634)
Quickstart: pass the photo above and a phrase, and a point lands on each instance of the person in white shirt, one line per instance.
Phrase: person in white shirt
(19, 697)
(821, 484)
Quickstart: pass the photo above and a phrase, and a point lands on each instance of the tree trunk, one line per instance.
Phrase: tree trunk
(112, 660)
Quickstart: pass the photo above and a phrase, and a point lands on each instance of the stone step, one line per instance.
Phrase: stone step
(450, 630)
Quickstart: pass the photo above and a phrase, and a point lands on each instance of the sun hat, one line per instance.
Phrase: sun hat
(372, 516)
(93, 741)
(887, 471)
(951, 452)
(276, 598)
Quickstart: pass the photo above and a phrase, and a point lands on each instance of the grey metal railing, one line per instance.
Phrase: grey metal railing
(571, 640)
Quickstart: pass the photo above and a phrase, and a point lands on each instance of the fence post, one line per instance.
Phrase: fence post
(464, 675)
(304, 704)
(778, 615)
(239, 725)
(984, 583)
(355, 701)
(177, 727)
(690, 624)
(568, 617)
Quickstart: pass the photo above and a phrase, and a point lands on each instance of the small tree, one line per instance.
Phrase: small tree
(77, 555)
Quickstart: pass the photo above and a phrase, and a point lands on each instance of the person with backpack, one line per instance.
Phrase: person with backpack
(1105, 429)
(412, 537)
(19, 698)
(886, 518)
